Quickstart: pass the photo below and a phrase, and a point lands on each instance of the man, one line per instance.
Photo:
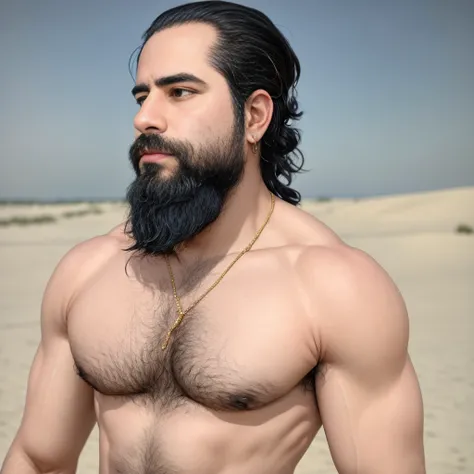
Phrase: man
(222, 326)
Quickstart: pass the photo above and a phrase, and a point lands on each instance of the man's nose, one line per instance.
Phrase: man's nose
(151, 117)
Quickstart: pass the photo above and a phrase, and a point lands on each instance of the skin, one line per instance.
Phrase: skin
(301, 298)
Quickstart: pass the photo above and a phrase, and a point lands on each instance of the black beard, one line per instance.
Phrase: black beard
(166, 211)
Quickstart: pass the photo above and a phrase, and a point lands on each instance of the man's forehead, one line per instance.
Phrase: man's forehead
(184, 47)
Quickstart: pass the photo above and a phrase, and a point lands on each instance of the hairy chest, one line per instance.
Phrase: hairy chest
(238, 350)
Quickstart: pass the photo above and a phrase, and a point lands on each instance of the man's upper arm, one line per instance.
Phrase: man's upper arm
(368, 392)
(59, 410)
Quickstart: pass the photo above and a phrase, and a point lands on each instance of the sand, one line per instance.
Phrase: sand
(412, 236)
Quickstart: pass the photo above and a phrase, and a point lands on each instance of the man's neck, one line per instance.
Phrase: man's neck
(245, 211)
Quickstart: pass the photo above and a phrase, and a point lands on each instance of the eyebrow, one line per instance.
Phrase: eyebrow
(168, 81)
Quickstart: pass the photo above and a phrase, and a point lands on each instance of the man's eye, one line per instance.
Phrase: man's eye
(140, 100)
(178, 93)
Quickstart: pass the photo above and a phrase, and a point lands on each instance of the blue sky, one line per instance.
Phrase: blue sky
(387, 89)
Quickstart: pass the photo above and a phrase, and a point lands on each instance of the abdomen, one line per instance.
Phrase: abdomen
(197, 440)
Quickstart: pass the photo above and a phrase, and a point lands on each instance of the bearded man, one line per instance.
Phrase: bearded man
(221, 326)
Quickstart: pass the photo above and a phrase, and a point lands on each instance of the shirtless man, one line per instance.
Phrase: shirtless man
(303, 331)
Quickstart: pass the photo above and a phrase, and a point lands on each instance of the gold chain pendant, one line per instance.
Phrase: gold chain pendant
(168, 335)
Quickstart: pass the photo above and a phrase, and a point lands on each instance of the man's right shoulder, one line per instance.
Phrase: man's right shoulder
(91, 254)
(82, 262)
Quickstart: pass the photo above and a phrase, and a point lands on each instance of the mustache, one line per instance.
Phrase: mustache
(154, 143)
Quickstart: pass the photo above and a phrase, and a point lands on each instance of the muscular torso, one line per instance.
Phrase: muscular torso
(232, 393)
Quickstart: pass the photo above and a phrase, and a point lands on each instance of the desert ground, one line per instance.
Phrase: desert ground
(414, 237)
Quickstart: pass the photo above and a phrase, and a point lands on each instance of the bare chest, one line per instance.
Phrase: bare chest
(241, 348)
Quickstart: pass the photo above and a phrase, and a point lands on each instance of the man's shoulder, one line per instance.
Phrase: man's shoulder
(339, 273)
(96, 250)
(328, 261)
(354, 301)
(343, 261)
(82, 262)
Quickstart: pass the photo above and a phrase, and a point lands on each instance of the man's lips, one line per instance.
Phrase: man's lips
(153, 157)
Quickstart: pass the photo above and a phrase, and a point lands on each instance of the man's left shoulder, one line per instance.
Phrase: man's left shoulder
(344, 268)
(355, 301)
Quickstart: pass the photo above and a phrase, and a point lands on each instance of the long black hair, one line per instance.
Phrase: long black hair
(251, 53)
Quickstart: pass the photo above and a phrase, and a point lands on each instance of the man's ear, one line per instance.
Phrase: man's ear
(258, 115)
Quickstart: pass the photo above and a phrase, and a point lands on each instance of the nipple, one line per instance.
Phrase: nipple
(241, 402)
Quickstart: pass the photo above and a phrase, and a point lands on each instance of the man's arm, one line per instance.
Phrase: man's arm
(368, 392)
(59, 409)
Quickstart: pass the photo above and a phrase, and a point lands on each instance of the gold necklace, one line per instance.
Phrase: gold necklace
(182, 313)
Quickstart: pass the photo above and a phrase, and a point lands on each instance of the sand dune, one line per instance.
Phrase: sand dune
(412, 236)
(439, 211)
